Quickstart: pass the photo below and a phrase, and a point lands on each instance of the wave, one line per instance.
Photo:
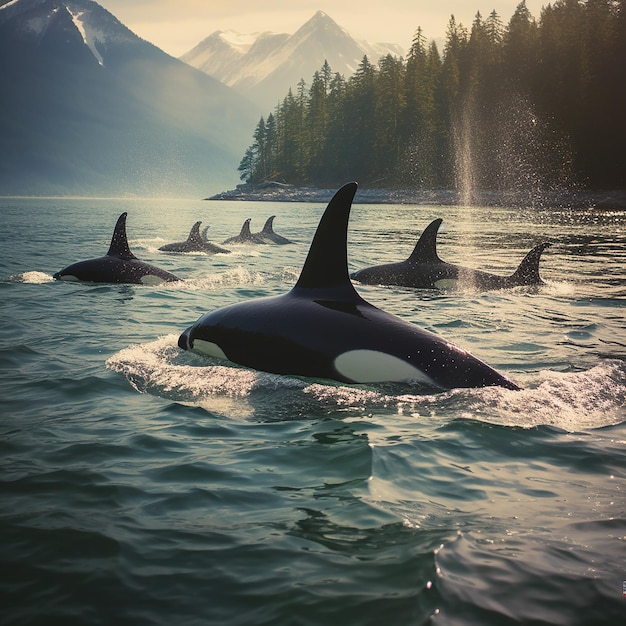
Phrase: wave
(31, 277)
(570, 401)
(207, 281)
(212, 281)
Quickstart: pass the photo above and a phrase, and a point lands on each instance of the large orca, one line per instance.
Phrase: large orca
(245, 236)
(119, 265)
(195, 243)
(322, 328)
(425, 270)
(268, 233)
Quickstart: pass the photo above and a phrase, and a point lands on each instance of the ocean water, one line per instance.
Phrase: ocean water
(144, 485)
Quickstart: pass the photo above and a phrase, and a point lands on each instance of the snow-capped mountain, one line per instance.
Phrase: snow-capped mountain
(263, 66)
(87, 107)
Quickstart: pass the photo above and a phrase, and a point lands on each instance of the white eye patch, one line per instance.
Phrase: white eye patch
(371, 366)
(209, 348)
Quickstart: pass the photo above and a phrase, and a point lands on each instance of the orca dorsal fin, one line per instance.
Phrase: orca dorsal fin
(528, 271)
(268, 226)
(326, 264)
(194, 234)
(245, 229)
(119, 241)
(425, 250)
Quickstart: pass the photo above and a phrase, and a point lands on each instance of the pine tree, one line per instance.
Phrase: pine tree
(503, 107)
(389, 105)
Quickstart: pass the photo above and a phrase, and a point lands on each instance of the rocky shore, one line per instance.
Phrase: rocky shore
(280, 192)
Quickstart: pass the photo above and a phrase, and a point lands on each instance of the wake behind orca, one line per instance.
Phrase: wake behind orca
(194, 243)
(322, 328)
(119, 265)
(425, 270)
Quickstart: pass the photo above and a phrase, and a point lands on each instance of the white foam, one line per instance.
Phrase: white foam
(161, 368)
(33, 278)
(574, 402)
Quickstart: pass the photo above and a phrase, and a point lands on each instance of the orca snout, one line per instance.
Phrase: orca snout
(183, 340)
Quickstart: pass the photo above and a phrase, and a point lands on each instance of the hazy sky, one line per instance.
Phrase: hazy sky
(176, 26)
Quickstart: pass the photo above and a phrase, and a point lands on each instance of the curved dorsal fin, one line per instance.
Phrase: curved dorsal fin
(425, 250)
(268, 226)
(528, 271)
(119, 242)
(245, 229)
(326, 264)
(194, 234)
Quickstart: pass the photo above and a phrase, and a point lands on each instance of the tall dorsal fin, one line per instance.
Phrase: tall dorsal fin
(528, 271)
(245, 229)
(326, 264)
(268, 226)
(425, 250)
(194, 234)
(119, 242)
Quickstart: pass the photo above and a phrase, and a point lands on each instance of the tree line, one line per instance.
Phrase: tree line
(530, 104)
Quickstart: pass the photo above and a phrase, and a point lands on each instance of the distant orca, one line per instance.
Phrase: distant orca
(322, 328)
(425, 270)
(195, 243)
(245, 236)
(119, 265)
(268, 233)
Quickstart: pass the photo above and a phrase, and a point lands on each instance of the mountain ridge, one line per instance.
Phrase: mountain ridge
(270, 65)
(93, 109)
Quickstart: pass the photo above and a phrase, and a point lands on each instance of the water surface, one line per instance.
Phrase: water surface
(144, 485)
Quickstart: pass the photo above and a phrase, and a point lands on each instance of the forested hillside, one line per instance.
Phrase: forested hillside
(532, 103)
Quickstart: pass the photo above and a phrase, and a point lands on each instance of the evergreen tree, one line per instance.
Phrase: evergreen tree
(360, 119)
(420, 159)
(504, 107)
(389, 105)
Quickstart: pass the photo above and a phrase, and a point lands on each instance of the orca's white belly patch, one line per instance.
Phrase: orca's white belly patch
(447, 283)
(371, 366)
(151, 279)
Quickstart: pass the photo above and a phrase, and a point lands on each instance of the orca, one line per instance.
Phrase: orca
(119, 265)
(268, 233)
(322, 328)
(245, 236)
(195, 243)
(425, 270)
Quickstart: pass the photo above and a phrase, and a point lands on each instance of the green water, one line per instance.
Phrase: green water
(142, 485)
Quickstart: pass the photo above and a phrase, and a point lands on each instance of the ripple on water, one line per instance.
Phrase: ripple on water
(526, 579)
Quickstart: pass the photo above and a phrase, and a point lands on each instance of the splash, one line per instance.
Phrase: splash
(214, 281)
(32, 278)
(505, 151)
(571, 401)
(162, 369)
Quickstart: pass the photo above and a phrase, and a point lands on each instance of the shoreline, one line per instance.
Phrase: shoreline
(575, 199)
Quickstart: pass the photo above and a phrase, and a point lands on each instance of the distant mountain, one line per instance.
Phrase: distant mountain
(87, 107)
(263, 66)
